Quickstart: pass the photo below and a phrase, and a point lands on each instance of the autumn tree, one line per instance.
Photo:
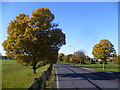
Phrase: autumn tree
(71, 59)
(103, 50)
(66, 58)
(60, 57)
(34, 40)
(87, 60)
(79, 56)
(116, 58)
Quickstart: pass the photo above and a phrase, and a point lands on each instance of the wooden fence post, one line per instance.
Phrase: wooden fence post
(40, 83)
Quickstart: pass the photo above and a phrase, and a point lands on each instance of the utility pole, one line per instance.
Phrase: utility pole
(73, 54)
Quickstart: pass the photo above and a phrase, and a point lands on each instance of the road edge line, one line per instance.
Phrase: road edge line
(57, 78)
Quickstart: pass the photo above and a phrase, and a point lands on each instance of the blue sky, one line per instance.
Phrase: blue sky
(84, 23)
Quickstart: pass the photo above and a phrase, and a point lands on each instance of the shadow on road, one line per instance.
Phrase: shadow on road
(96, 75)
(91, 76)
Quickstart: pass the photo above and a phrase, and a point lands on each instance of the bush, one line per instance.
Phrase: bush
(117, 60)
(93, 62)
(88, 62)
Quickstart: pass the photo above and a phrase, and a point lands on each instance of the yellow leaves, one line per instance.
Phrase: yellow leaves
(41, 9)
(42, 14)
(23, 21)
(102, 49)
(106, 50)
(28, 32)
(34, 36)
(34, 39)
(61, 55)
(8, 54)
(37, 28)
(28, 29)
(44, 9)
(44, 25)
(37, 11)
(71, 59)
(16, 33)
(37, 23)
(11, 33)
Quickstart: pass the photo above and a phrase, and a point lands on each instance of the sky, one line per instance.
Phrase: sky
(84, 23)
(60, 0)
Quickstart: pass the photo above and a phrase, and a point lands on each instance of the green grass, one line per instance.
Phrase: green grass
(15, 75)
(50, 83)
(110, 67)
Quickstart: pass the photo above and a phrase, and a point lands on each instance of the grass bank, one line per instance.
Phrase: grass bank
(110, 67)
(51, 82)
(15, 75)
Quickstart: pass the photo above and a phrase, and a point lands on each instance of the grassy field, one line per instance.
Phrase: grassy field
(110, 67)
(15, 75)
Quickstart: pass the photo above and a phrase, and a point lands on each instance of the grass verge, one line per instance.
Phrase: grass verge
(110, 67)
(50, 83)
(15, 75)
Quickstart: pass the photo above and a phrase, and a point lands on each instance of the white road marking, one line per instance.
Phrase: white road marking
(57, 78)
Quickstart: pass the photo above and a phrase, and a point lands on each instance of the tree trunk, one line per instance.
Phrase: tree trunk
(80, 62)
(34, 70)
(103, 65)
(73, 62)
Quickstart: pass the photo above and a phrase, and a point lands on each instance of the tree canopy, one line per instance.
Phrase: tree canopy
(103, 50)
(79, 56)
(34, 39)
(67, 57)
(60, 57)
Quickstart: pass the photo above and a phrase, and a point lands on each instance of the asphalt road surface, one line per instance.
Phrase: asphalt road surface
(68, 76)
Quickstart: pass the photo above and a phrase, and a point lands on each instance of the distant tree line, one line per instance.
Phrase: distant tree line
(77, 57)
(5, 57)
(103, 51)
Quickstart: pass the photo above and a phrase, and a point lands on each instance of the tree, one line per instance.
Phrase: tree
(67, 57)
(35, 39)
(116, 58)
(4, 57)
(87, 60)
(71, 59)
(60, 57)
(103, 50)
(79, 56)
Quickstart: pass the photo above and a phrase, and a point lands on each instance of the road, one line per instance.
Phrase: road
(68, 76)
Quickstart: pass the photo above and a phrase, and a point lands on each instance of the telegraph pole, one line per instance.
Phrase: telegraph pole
(73, 54)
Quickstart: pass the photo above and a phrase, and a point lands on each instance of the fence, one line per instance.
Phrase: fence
(40, 83)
